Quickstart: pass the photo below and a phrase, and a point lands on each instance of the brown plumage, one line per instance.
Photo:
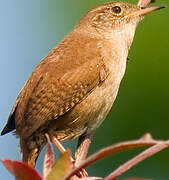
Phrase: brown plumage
(73, 89)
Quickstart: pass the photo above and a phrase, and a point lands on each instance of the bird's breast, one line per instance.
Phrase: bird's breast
(102, 100)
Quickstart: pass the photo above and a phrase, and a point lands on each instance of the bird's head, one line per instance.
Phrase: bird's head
(112, 17)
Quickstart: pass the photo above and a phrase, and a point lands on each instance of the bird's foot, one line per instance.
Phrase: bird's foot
(54, 140)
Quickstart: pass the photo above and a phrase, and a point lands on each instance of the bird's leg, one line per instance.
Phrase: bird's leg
(61, 148)
(55, 141)
(82, 150)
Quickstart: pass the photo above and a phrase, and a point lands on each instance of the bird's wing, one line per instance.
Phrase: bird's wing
(55, 87)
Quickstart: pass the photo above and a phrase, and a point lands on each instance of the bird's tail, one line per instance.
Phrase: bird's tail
(29, 154)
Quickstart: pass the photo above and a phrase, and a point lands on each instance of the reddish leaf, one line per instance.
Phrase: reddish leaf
(49, 160)
(21, 170)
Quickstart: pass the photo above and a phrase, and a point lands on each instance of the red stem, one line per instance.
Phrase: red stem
(129, 164)
(119, 147)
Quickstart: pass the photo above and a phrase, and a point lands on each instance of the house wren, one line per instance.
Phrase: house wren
(73, 88)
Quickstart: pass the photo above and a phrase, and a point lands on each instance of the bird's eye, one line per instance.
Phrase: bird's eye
(116, 9)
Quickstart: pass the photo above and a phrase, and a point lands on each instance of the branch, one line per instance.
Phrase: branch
(144, 155)
(146, 140)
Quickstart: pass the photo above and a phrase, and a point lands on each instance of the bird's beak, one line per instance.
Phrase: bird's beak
(145, 10)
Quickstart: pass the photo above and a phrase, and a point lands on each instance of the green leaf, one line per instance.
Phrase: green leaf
(62, 167)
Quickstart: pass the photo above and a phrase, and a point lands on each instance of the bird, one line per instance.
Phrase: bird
(72, 90)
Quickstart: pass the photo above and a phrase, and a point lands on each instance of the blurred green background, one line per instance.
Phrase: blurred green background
(30, 29)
